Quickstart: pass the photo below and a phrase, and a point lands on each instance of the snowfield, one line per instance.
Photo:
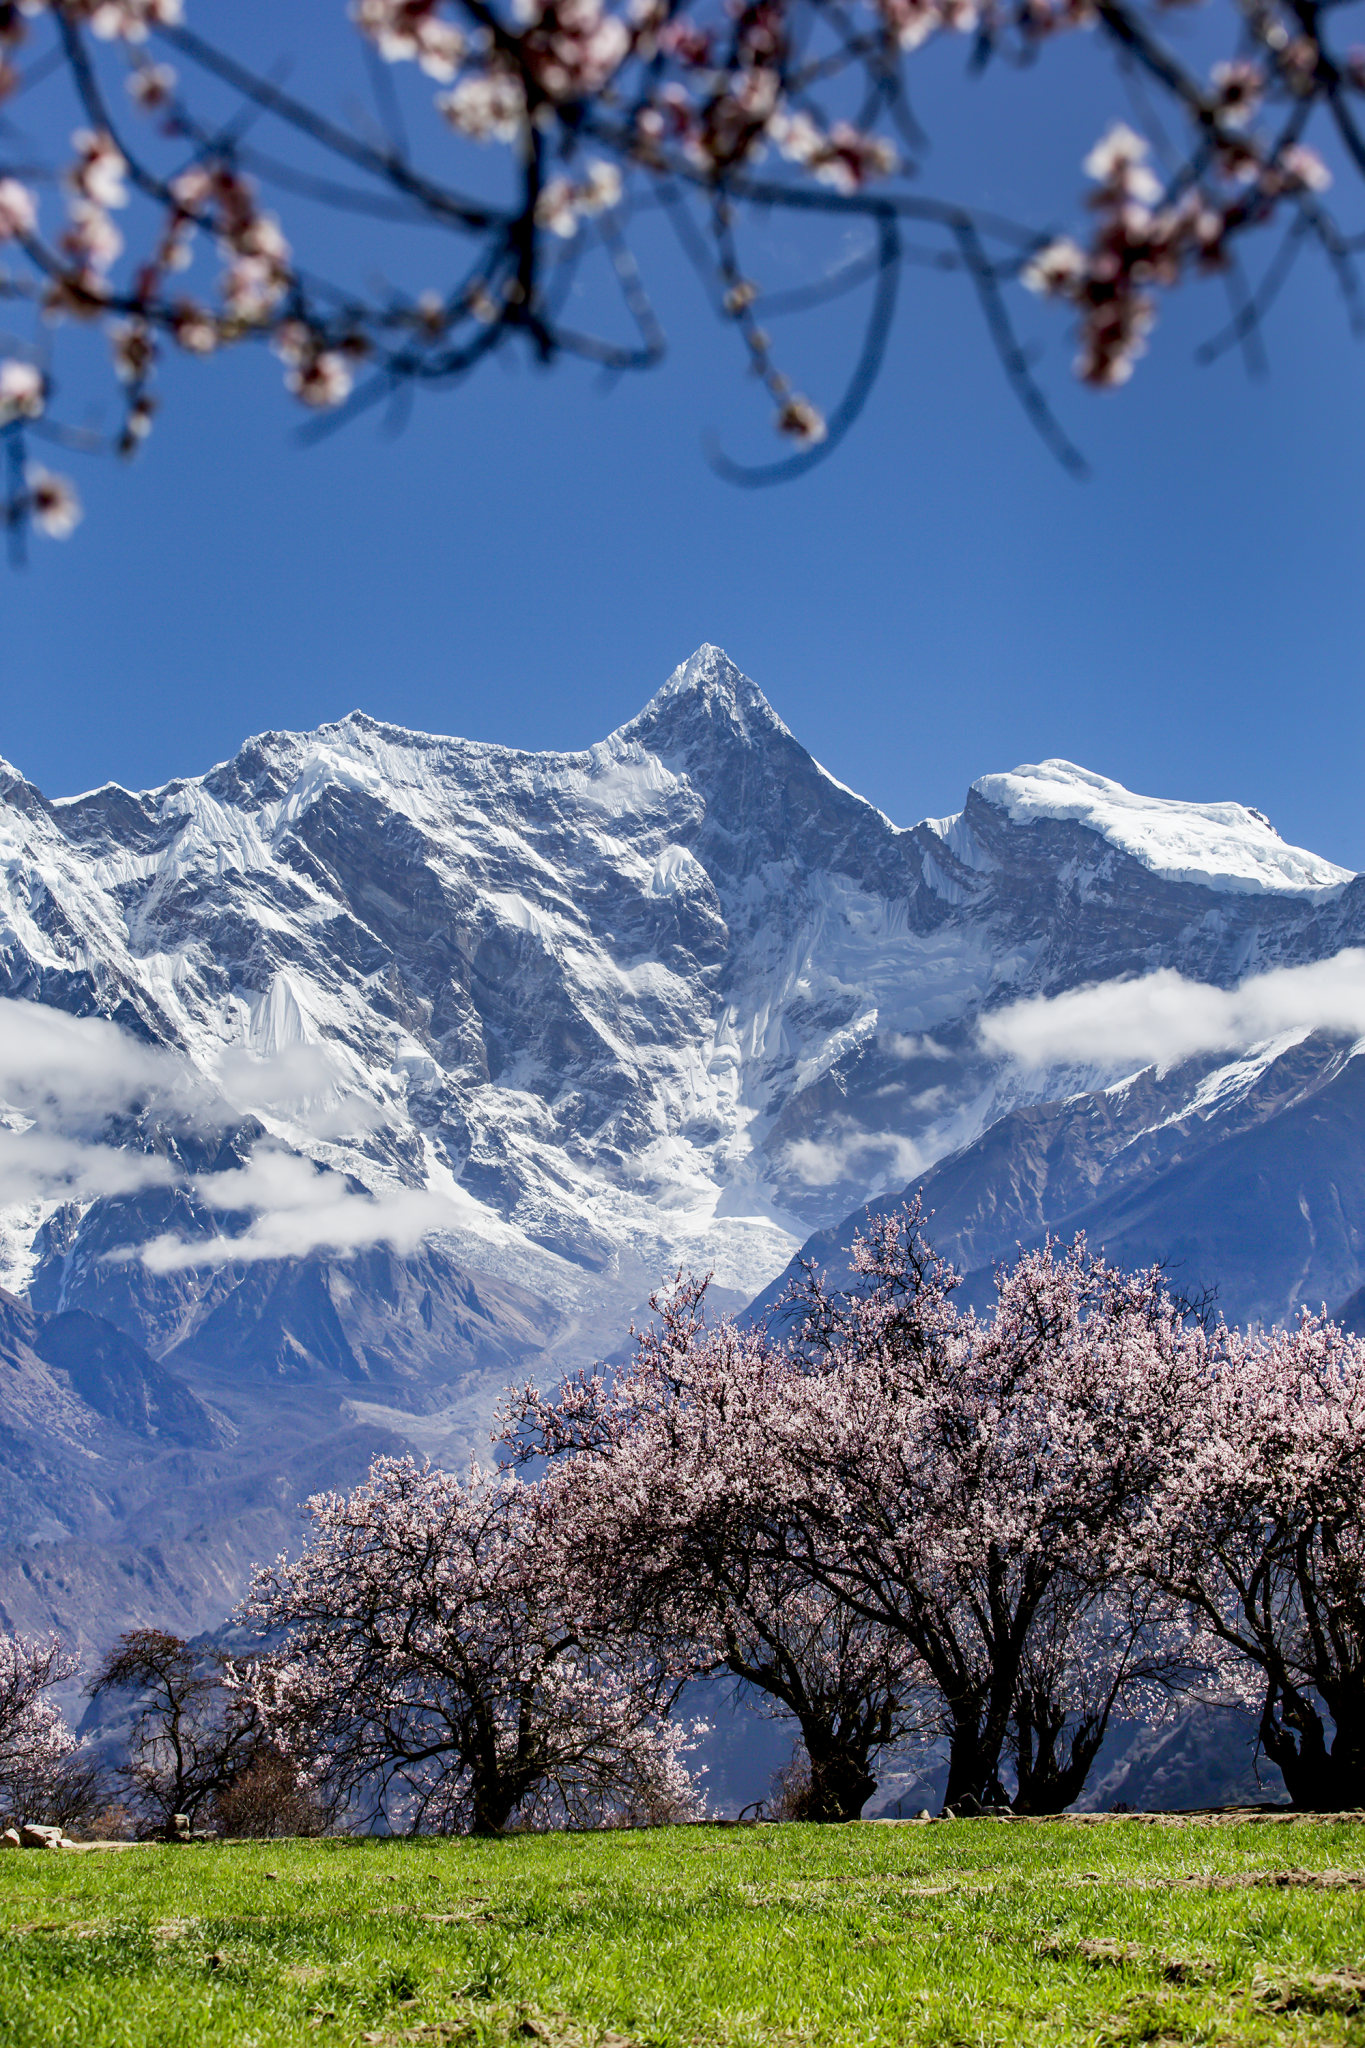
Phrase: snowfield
(372, 1068)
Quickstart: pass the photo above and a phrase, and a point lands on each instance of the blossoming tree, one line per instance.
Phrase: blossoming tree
(969, 1482)
(552, 127)
(670, 1529)
(432, 1670)
(1092, 1654)
(193, 1732)
(1259, 1531)
(35, 1741)
(888, 1515)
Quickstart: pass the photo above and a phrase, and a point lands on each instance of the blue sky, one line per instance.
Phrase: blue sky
(529, 558)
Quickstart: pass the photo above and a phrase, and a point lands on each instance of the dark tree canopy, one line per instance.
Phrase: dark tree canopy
(193, 1736)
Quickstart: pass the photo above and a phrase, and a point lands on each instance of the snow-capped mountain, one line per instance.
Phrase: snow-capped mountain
(374, 1069)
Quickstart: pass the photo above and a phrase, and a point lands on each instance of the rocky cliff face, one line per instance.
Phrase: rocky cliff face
(387, 1068)
(1245, 1178)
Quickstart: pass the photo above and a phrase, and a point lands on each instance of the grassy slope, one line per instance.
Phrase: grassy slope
(961, 1933)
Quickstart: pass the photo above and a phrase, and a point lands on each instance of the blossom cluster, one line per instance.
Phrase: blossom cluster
(35, 1741)
(892, 1516)
(717, 101)
(1149, 237)
(430, 1670)
(894, 1521)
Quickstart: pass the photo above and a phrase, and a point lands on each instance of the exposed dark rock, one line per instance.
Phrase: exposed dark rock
(679, 999)
(116, 1378)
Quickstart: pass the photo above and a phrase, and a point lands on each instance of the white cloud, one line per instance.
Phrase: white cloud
(300, 1084)
(73, 1072)
(62, 1078)
(43, 1166)
(297, 1208)
(1162, 1018)
(850, 1154)
(913, 1045)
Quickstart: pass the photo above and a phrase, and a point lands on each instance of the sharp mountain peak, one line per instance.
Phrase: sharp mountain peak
(673, 1000)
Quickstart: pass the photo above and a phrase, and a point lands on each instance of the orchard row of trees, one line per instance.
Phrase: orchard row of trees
(898, 1519)
(196, 1753)
(895, 1521)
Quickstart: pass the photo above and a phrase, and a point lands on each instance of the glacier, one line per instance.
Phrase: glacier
(425, 1061)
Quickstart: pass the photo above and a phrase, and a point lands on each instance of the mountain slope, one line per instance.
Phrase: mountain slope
(372, 1070)
(1247, 1183)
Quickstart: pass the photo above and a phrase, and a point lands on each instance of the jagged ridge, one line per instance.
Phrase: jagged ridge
(679, 998)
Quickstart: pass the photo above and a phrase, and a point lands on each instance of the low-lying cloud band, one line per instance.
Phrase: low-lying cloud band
(63, 1078)
(1162, 1018)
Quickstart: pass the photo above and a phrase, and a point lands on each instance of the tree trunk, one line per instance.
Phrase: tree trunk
(980, 1723)
(494, 1805)
(840, 1782)
(971, 1771)
(1318, 1779)
(1051, 1785)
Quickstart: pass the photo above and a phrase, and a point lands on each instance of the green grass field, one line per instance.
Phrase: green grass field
(966, 1932)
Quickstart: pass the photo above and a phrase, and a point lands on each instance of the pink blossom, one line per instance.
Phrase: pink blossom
(573, 46)
(194, 328)
(912, 22)
(656, 1509)
(555, 208)
(22, 391)
(1057, 269)
(35, 1741)
(732, 124)
(963, 1486)
(687, 42)
(18, 215)
(1257, 1528)
(412, 30)
(430, 1669)
(562, 202)
(803, 421)
(151, 86)
(698, 97)
(91, 236)
(99, 171)
(193, 188)
(1239, 86)
(53, 504)
(176, 249)
(137, 423)
(487, 106)
(1138, 244)
(321, 380)
(259, 274)
(129, 20)
(1119, 160)
(292, 341)
(843, 156)
(796, 135)
(251, 289)
(1301, 167)
(601, 190)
